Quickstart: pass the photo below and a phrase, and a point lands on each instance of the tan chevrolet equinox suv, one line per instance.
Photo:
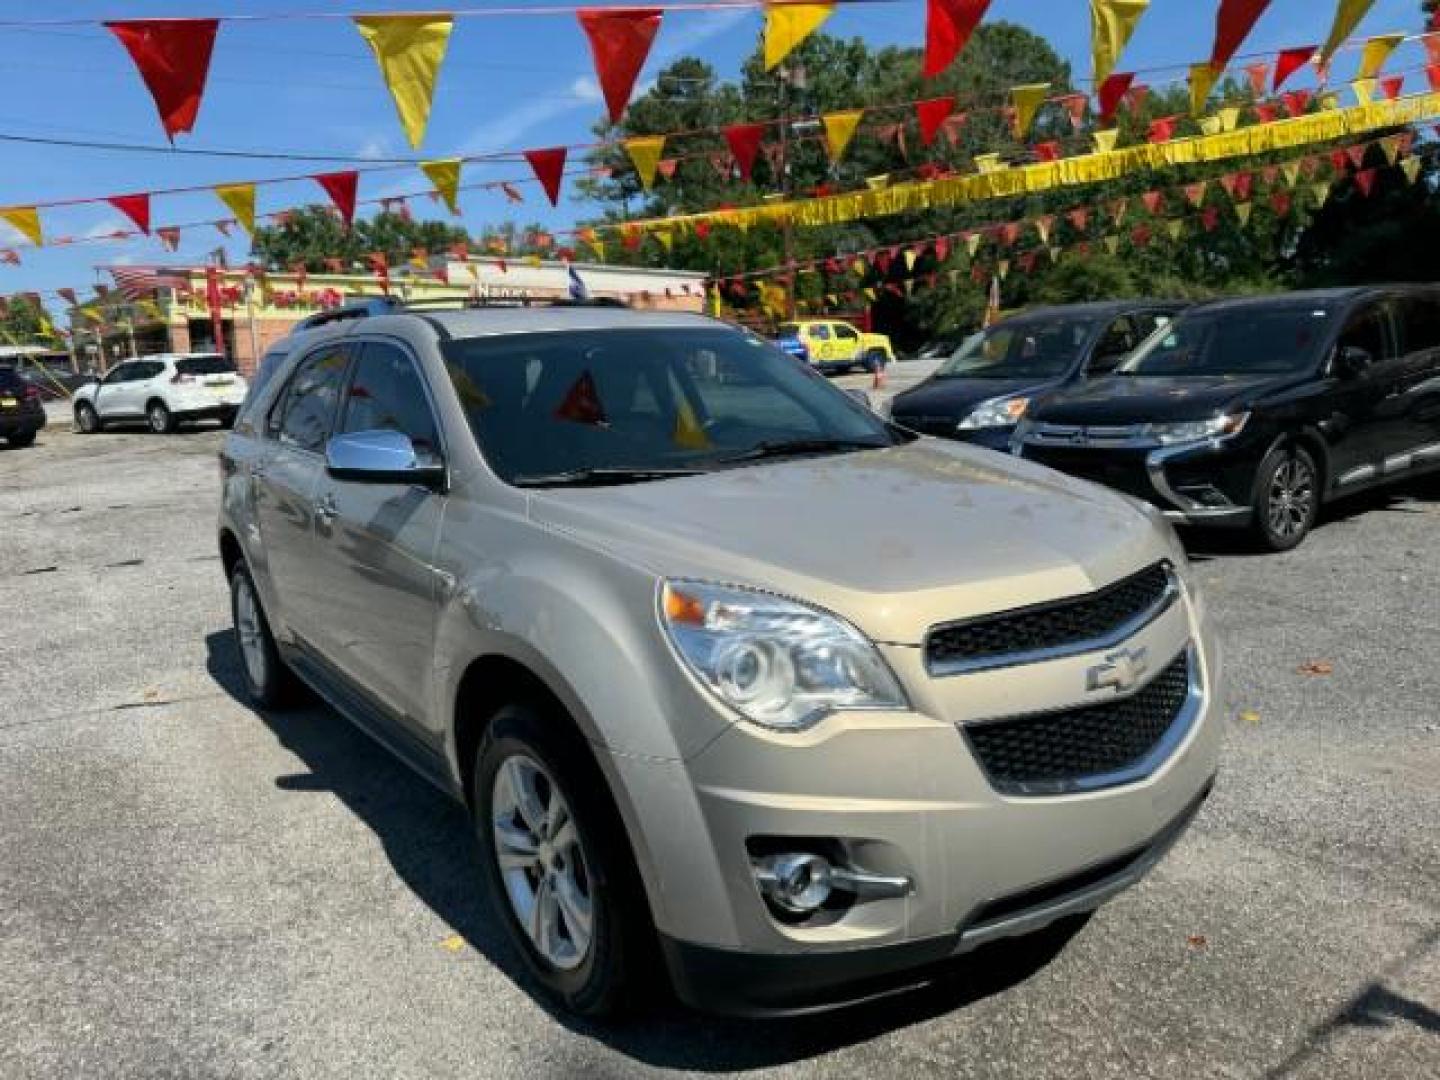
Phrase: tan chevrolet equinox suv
(739, 682)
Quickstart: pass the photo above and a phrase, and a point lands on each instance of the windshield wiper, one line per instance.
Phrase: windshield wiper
(796, 447)
(600, 476)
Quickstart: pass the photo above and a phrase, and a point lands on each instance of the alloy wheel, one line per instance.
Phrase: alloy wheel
(547, 880)
(1291, 499)
(250, 632)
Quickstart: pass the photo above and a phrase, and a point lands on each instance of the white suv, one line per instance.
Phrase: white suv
(163, 390)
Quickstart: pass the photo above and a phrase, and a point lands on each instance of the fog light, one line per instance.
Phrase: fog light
(797, 882)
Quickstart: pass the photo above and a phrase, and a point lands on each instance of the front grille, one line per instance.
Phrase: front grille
(1076, 625)
(1122, 470)
(1084, 748)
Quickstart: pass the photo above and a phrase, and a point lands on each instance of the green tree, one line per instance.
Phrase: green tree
(314, 235)
(26, 321)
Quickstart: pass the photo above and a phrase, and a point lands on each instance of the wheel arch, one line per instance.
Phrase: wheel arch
(1312, 441)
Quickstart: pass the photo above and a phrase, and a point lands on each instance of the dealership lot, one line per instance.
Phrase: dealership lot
(191, 889)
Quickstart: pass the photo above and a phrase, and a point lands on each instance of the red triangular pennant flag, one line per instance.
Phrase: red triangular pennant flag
(951, 128)
(1210, 218)
(1259, 76)
(1365, 181)
(549, 169)
(1296, 101)
(744, 140)
(1047, 151)
(1432, 72)
(1135, 97)
(1163, 129)
(169, 236)
(341, 187)
(581, 404)
(620, 40)
(1079, 218)
(1075, 105)
(1266, 113)
(1112, 90)
(1140, 235)
(1153, 201)
(948, 26)
(173, 57)
(942, 249)
(1233, 23)
(1290, 61)
(1280, 203)
(135, 207)
(1338, 160)
(1391, 86)
(932, 113)
(666, 167)
(1356, 154)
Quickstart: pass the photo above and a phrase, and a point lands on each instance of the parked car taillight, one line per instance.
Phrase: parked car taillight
(31, 392)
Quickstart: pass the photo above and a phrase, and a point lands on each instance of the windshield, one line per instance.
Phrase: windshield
(1020, 349)
(204, 365)
(609, 401)
(1244, 341)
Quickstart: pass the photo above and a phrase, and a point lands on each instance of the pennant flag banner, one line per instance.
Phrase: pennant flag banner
(1258, 74)
(135, 207)
(1377, 51)
(1233, 23)
(931, 114)
(1347, 17)
(169, 236)
(240, 198)
(948, 26)
(549, 168)
(1229, 118)
(1391, 86)
(744, 141)
(1111, 24)
(26, 220)
(1202, 81)
(1106, 139)
(173, 58)
(839, 130)
(1112, 92)
(1290, 61)
(645, 155)
(342, 188)
(409, 50)
(1028, 100)
(1411, 167)
(787, 24)
(444, 174)
(620, 40)
(1364, 91)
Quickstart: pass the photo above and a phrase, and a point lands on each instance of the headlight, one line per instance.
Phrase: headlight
(776, 662)
(997, 412)
(1197, 430)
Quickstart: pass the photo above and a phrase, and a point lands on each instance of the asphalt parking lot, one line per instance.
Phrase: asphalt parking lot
(190, 889)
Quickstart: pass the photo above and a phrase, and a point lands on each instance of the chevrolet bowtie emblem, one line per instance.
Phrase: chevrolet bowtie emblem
(1121, 670)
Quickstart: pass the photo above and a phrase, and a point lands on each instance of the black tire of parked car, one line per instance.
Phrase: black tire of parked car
(227, 421)
(1286, 498)
(21, 438)
(160, 419)
(279, 687)
(610, 980)
(87, 419)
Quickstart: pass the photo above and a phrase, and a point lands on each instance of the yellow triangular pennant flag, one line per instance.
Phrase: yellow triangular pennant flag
(666, 238)
(1377, 51)
(1111, 24)
(1042, 226)
(1321, 192)
(598, 246)
(1229, 118)
(1347, 17)
(1291, 169)
(1196, 192)
(858, 266)
(645, 153)
(840, 129)
(1210, 125)
(1391, 146)
(1411, 168)
(1242, 212)
(1364, 91)
(409, 49)
(788, 24)
(988, 163)
(1175, 227)
(1028, 100)
(688, 434)
(444, 174)
(868, 293)
(1202, 81)
(1121, 205)
(27, 220)
(240, 198)
(1112, 244)
(1002, 268)
(909, 260)
(972, 244)
(1105, 140)
(877, 183)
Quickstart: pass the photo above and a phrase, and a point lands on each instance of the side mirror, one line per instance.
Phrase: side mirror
(1352, 361)
(380, 457)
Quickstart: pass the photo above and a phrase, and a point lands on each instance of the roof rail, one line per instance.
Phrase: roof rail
(374, 307)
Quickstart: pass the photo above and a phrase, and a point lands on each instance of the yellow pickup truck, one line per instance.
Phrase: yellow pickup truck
(832, 345)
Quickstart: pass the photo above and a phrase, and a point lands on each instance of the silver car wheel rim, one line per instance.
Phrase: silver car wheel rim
(1292, 497)
(542, 864)
(250, 632)
(157, 419)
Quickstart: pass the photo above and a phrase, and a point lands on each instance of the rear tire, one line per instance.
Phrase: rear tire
(572, 862)
(159, 417)
(87, 419)
(268, 680)
(1286, 498)
(24, 438)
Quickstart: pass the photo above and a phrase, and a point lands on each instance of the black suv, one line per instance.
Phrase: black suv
(1252, 412)
(980, 392)
(21, 412)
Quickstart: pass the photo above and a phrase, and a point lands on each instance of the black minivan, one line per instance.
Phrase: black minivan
(1252, 412)
(989, 382)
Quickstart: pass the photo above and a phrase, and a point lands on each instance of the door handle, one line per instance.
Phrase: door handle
(326, 510)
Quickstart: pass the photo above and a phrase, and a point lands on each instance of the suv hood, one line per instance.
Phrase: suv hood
(894, 540)
(1133, 399)
(954, 398)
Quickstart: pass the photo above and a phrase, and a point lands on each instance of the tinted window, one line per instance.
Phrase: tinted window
(1021, 349)
(9, 379)
(845, 333)
(1235, 341)
(1365, 331)
(304, 414)
(1119, 338)
(149, 369)
(204, 365)
(386, 393)
(556, 402)
(1420, 323)
(120, 374)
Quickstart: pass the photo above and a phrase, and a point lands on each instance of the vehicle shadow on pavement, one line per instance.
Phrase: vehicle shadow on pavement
(428, 840)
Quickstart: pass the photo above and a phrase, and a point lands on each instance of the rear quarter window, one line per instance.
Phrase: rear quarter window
(10, 379)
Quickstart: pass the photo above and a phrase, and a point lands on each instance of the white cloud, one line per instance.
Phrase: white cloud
(374, 147)
(108, 226)
(585, 89)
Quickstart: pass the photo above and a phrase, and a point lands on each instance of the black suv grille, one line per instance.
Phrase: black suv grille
(1046, 753)
(1008, 637)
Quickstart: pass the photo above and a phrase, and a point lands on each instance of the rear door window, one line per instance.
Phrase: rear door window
(1367, 330)
(1419, 319)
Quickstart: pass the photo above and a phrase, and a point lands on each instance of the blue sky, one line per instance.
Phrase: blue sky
(509, 83)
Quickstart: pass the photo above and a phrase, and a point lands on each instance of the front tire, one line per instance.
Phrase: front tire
(21, 439)
(269, 681)
(1286, 498)
(86, 418)
(557, 865)
(159, 417)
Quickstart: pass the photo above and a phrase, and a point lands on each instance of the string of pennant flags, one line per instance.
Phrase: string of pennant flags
(745, 142)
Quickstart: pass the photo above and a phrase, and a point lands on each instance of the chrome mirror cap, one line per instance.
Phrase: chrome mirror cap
(379, 457)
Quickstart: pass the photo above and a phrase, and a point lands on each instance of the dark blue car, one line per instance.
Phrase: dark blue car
(985, 387)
